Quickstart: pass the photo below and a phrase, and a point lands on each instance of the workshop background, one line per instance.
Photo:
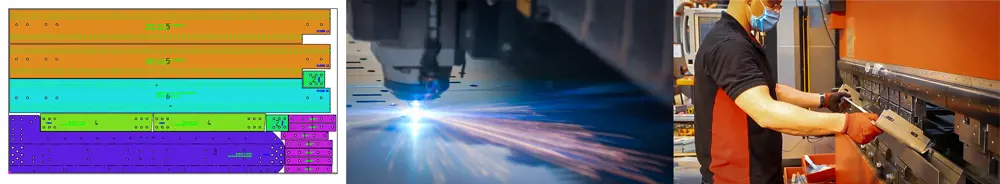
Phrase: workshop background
(931, 67)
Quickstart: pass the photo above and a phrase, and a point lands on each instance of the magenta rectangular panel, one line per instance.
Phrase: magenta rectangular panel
(308, 169)
(312, 118)
(312, 127)
(309, 161)
(309, 152)
(324, 118)
(305, 135)
(309, 144)
(300, 118)
(92, 169)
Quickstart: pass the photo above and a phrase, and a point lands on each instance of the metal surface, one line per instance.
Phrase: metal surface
(978, 161)
(925, 104)
(402, 24)
(374, 20)
(418, 41)
(858, 107)
(855, 95)
(950, 172)
(980, 101)
(911, 165)
(968, 132)
(979, 147)
(683, 118)
(633, 36)
(993, 141)
(904, 131)
(898, 153)
(786, 46)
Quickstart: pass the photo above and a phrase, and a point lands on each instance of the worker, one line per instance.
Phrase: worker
(742, 111)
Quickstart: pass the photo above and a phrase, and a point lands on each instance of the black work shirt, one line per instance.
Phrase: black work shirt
(732, 147)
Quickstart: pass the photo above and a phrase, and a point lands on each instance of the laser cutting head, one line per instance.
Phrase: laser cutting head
(425, 88)
(410, 80)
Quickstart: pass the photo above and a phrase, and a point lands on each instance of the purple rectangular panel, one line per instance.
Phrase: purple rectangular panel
(300, 119)
(146, 169)
(144, 152)
(309, 161)
(309, 144)
(22, 127)
(25, 129)
(305, 135)
(309, 152)
(145, 137)
(308, 169)
(312, 127)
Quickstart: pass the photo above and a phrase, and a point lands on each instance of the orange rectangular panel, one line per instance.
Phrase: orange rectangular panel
(958, 37)
(836, 21)
(851, 165)
(166, 61)
(166, 25)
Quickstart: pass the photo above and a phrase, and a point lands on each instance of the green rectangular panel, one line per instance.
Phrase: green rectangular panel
(208, 122)
(313, 79)
(164, 61)
(96, 122)
(277, 123)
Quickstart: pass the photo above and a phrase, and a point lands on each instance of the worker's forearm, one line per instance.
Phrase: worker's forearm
(796, 97)
(790, 119)
(785, 117)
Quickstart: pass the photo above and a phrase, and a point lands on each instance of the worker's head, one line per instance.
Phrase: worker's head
(757, 7)
(764, 14)
(761, 15)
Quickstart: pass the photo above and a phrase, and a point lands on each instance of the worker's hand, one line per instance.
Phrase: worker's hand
(861, 128)
(836, 102)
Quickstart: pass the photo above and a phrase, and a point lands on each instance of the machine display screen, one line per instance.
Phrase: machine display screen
(705, 24)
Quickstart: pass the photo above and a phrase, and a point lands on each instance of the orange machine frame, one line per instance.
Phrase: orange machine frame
(958, 37)
(254, 26)
(851, 164)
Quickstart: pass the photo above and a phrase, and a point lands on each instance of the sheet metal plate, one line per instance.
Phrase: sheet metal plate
(994, 140)
(897, 127)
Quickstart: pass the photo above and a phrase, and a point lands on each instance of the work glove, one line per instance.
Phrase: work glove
(861, 128)
(835, 101)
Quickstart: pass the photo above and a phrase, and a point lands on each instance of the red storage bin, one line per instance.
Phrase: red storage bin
(789, 171)
(821, 159)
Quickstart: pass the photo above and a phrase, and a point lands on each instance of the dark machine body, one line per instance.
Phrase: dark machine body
(635, 37)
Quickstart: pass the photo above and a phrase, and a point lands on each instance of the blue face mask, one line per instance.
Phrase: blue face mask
(765, 22)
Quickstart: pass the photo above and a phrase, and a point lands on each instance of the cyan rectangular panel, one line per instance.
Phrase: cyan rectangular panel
(166, 95)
